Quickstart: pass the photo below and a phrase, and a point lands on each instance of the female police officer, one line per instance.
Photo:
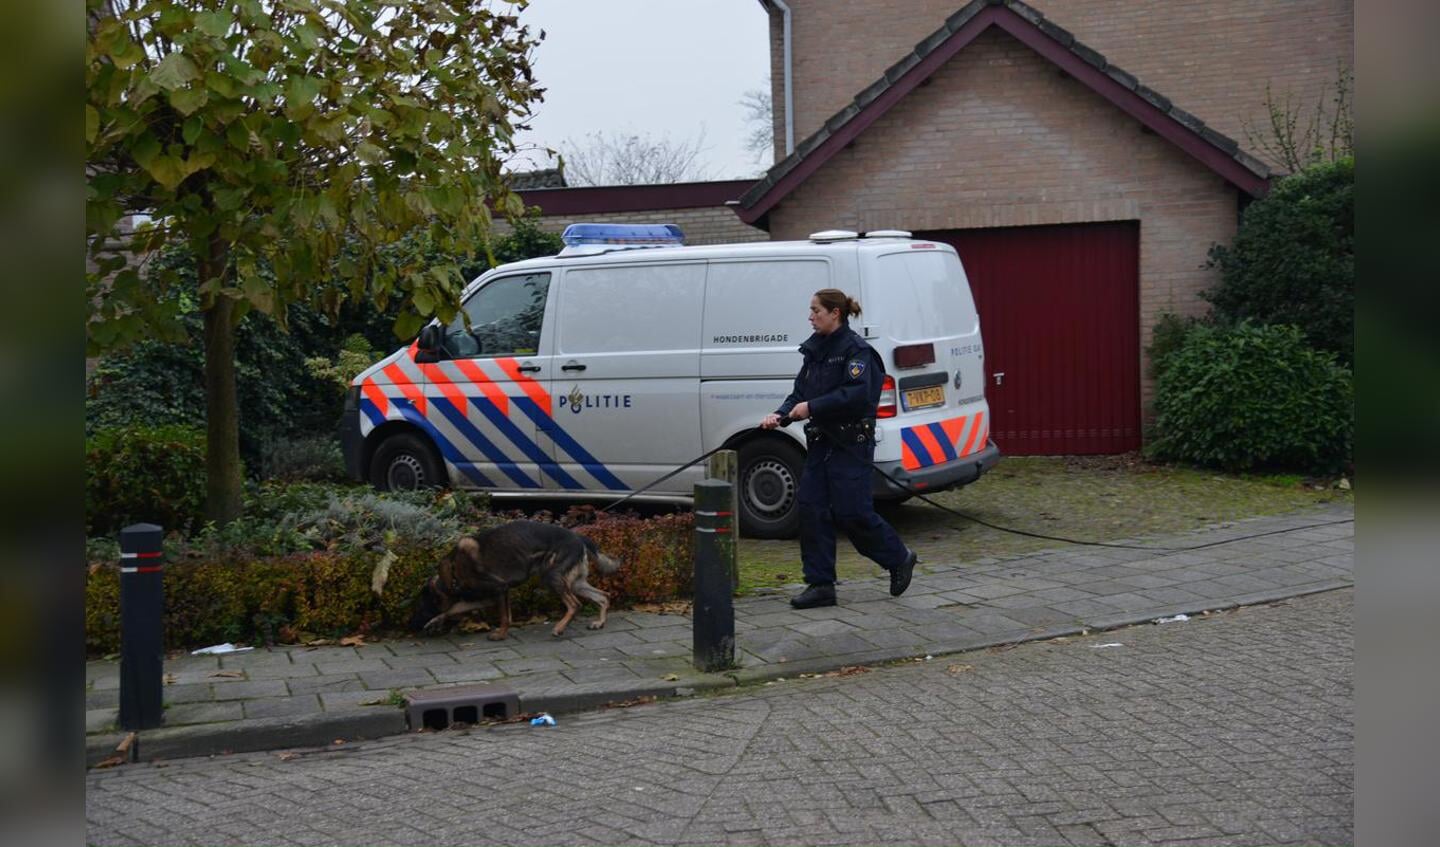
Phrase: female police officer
(836, 391)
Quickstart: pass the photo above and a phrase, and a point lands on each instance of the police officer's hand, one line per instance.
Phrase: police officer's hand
(771, 421)
(800, 412)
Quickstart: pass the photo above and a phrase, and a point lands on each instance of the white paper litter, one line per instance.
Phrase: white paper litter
(217, 649)
(1175, 619)
(1109, 644)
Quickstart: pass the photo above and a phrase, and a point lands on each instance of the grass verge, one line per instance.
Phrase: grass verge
(1100, 498)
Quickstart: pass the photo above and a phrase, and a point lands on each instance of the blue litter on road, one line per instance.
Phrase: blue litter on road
(542, 720)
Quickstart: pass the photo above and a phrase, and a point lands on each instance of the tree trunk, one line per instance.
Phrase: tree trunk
(222, 429)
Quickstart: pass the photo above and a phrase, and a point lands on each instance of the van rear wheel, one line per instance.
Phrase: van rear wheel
(769, 482)
(406, 462)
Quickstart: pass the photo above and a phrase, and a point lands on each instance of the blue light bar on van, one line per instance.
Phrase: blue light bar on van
(651, 235)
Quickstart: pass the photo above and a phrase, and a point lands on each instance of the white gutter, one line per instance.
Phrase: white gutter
(789, 89)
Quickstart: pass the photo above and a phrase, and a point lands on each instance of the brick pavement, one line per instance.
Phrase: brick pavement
(1235, 728)
(284, 696)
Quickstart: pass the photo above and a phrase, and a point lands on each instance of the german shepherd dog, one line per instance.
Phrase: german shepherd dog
(482, 567)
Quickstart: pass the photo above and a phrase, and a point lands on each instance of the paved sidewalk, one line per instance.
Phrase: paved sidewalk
(298, 696)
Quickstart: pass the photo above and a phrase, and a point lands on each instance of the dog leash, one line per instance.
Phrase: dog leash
(784, 421)
(700, 458)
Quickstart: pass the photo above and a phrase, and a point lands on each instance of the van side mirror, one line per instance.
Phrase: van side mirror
(430, 344)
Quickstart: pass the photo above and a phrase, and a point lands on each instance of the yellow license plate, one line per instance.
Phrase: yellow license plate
(924, 398)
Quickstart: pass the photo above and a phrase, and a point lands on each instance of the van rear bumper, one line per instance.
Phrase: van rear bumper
(936, 477)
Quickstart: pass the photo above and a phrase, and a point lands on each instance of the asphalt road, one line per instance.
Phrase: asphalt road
(1236, 728)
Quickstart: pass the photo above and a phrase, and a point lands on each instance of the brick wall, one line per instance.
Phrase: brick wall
(1001, 138)
(717, 225)
(1212, 58)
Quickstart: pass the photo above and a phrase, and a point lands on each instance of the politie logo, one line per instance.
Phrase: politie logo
(857, 367)
(575, 401)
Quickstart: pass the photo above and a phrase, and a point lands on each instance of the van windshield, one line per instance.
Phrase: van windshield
(919, 294)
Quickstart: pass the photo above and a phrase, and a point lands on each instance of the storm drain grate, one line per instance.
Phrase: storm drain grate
(438, 708)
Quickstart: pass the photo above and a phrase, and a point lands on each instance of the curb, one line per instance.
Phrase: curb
(320, 730)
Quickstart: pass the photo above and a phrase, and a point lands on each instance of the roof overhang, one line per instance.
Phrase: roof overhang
(1212, 149)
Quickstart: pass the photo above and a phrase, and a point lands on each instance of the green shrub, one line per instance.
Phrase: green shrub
(216, 593)
(311, 458)
(1293, 259)
(150, 474)
(242, 598)
(1253, 396)
(1167, 338)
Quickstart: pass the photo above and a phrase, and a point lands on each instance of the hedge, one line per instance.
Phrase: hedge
(225, 593)
(1249, 396)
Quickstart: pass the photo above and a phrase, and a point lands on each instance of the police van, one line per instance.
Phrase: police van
(595, 372)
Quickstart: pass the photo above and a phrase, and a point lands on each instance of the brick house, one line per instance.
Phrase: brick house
(1082, 156)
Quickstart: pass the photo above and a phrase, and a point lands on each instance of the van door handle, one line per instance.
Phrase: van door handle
(526, 367)
(572, 366)
(999, 377)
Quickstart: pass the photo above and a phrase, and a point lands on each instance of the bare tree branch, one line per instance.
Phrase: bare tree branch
(602, 159)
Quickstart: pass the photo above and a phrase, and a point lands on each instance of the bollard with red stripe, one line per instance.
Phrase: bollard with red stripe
(142, 645)
(713, 620)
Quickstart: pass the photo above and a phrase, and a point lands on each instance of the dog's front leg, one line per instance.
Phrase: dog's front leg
(454, 611)
(504, 630)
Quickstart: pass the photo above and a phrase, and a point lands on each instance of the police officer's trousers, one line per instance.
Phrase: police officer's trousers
(835, 492)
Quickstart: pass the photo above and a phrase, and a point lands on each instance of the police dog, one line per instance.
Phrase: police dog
(485, 566)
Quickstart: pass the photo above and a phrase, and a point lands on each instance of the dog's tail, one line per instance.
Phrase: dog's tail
(602, 563)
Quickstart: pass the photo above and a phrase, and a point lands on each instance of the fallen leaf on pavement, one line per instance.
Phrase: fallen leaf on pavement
(852, 670)
(229, 674)
(287, 756)
(122, 753)
(670, 677)
(633, 701)
(671, 607)
(474, 626)
(959, 668)
(353, 641)
(318, 642)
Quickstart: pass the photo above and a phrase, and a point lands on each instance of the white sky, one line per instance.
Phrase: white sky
(649, 67)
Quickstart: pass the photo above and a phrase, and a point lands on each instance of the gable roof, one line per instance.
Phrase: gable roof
(1054, 43)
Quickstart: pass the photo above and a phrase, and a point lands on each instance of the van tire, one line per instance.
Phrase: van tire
(406, 462)
(769, 488)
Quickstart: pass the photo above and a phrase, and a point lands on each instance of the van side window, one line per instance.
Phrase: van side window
(505, 319)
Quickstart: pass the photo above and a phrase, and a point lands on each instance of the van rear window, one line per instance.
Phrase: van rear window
(919, 295)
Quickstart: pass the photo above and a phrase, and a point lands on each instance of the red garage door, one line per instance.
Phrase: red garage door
(1059, 310)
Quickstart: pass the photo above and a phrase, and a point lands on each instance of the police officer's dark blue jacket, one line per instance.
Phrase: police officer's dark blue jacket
(841, 378)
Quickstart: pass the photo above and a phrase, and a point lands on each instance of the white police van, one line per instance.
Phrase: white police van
(597, 371)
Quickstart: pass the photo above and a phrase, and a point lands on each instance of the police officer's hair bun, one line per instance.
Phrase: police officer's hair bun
(834, 298)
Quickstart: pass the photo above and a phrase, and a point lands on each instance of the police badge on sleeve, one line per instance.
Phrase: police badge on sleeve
(856, 367)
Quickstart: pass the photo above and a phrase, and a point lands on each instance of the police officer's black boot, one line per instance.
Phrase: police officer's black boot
(814, 596)
(901, 573)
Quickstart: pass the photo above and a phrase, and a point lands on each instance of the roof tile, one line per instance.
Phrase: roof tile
(875, 89)
(963, 16)
(1186, 119)
(1153, 97)
(1057, 32)
(1224, 142)
(898, 69)
(1120, 76)
(1092, 57)
(1027, 12)
(1253, 164)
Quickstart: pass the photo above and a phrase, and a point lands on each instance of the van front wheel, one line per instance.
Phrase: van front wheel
(406, 462)
(769, 481)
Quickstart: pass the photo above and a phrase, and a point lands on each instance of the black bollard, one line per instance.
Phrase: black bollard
(714, 615)
(142, 645)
